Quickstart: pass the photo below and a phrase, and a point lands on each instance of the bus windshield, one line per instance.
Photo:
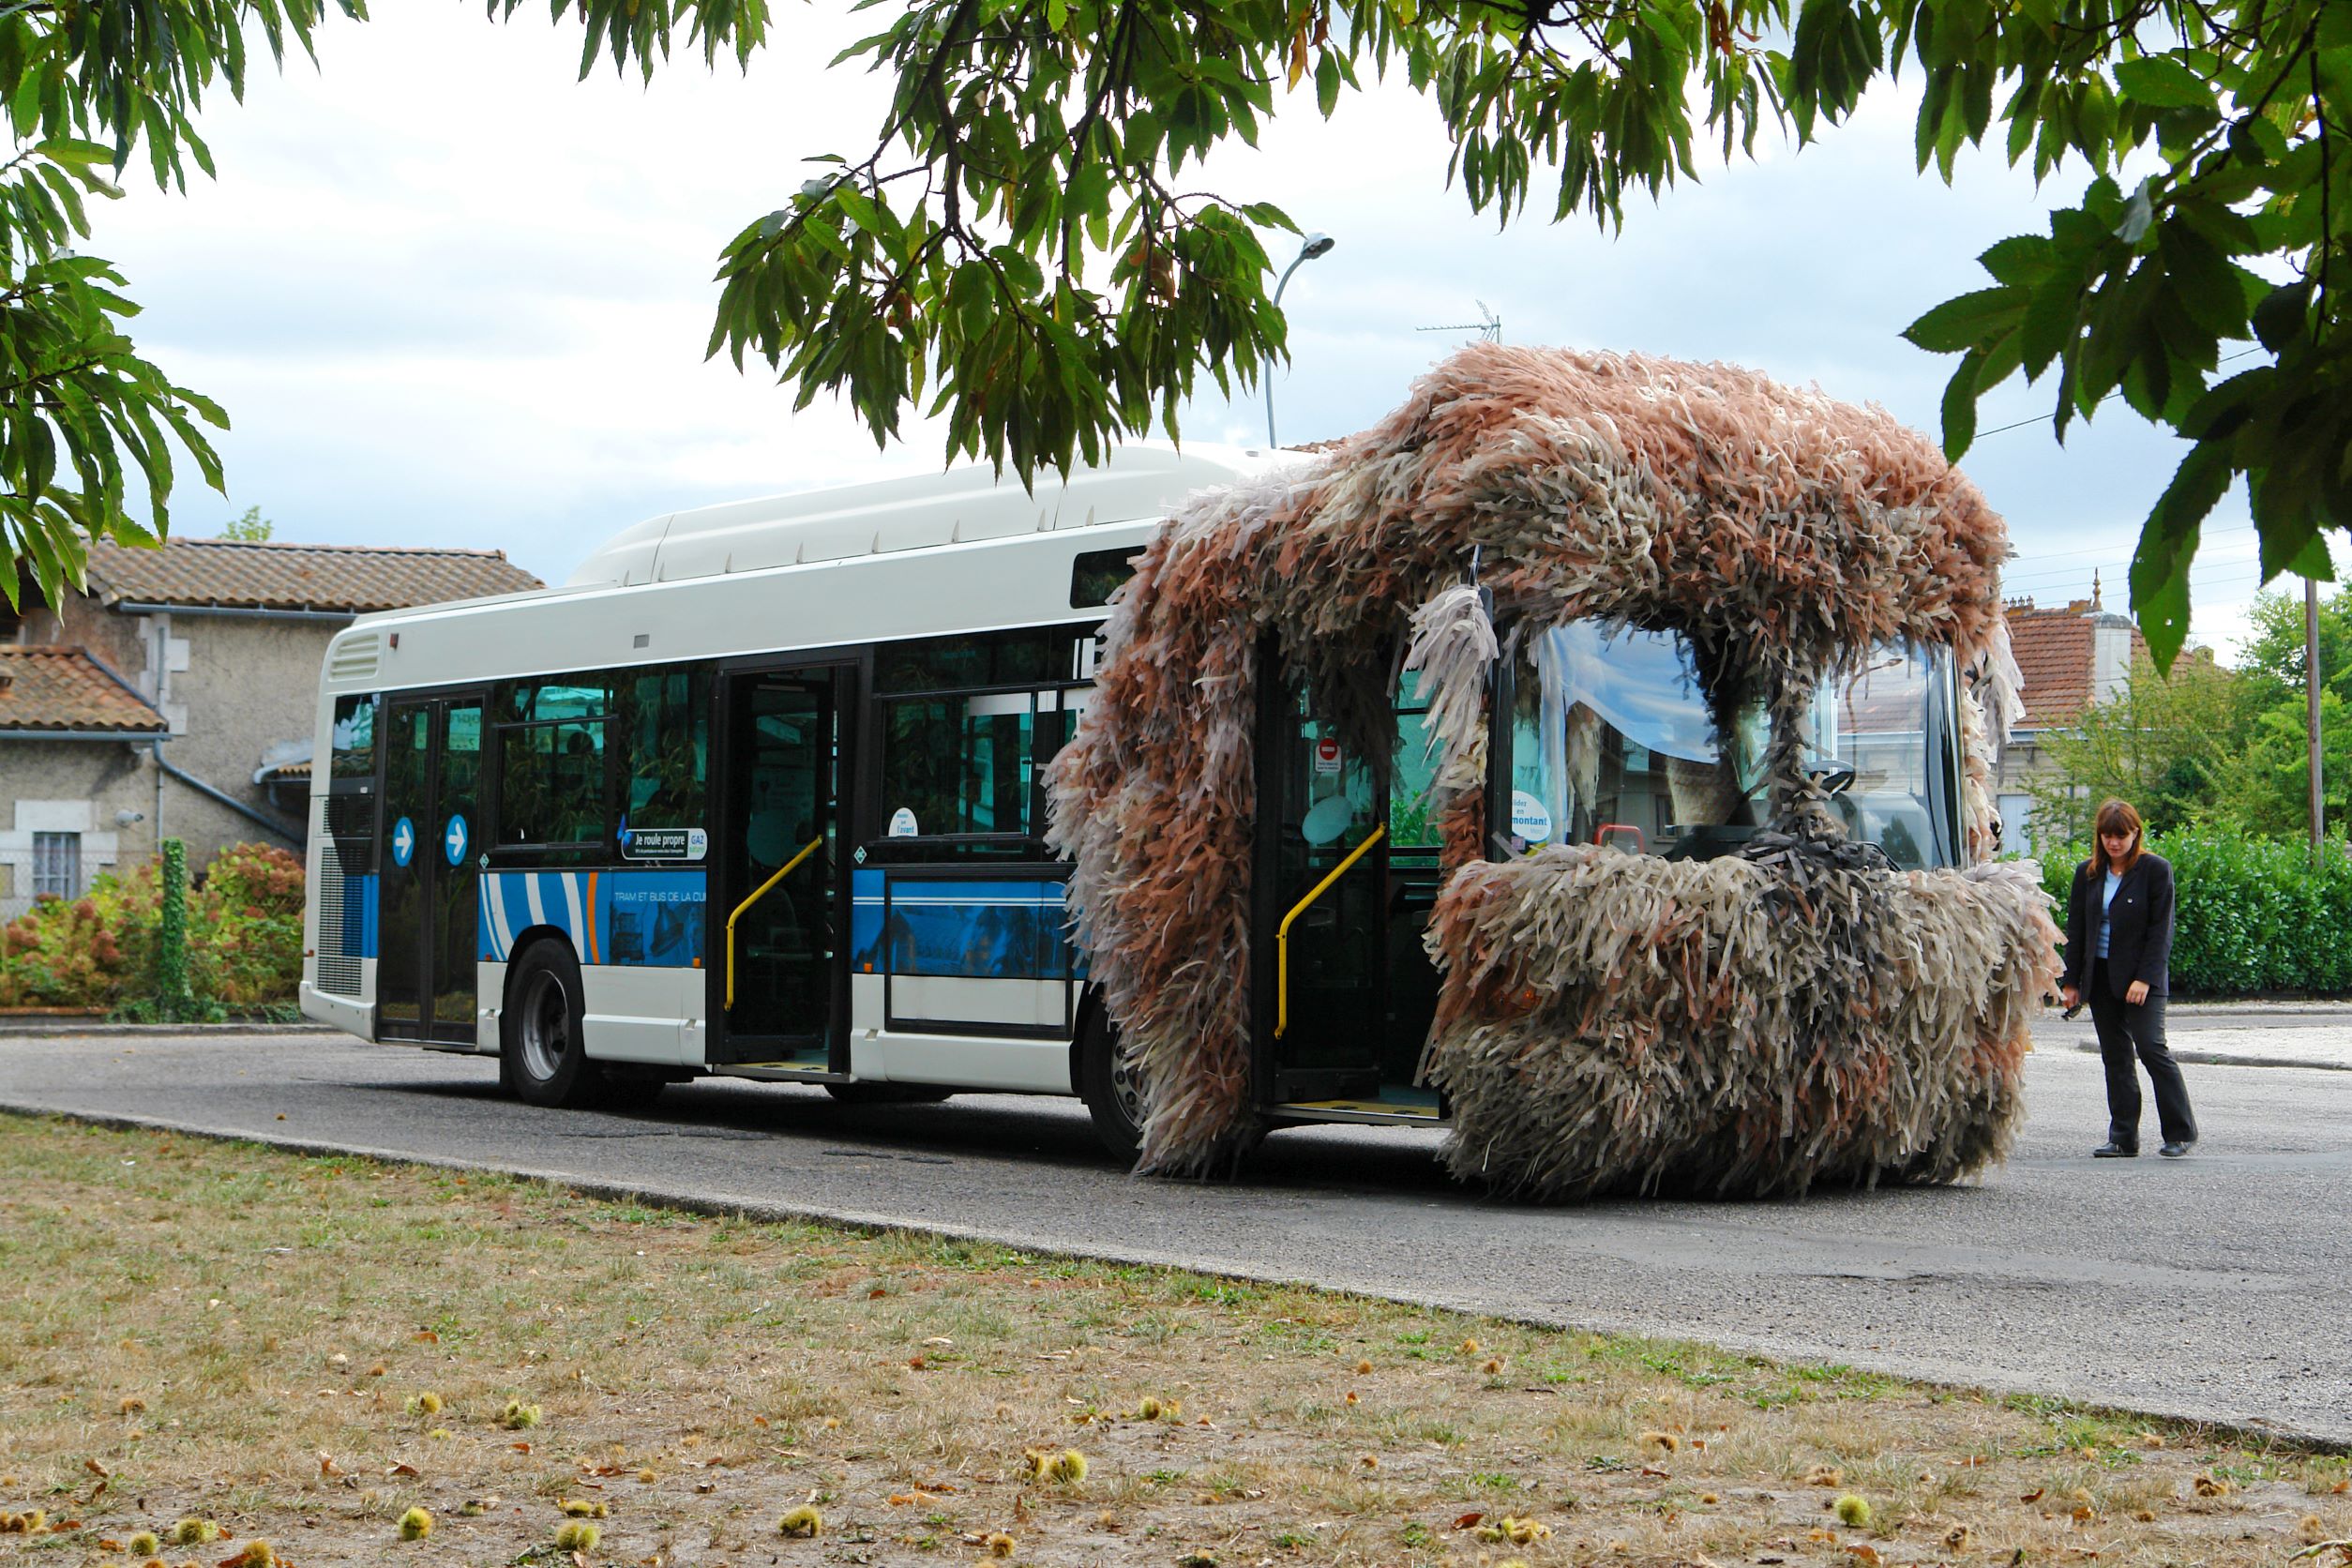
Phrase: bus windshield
(1614, 744)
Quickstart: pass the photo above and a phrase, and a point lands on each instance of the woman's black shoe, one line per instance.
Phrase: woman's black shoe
(2174, 1149)
(2115, 1152)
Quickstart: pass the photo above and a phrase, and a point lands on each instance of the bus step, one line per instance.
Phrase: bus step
(780, 1071)
(1409, 1109)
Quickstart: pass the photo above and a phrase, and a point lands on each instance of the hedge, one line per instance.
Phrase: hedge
(2252, 914)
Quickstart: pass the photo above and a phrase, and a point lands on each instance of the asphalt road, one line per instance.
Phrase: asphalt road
(2214, 1287)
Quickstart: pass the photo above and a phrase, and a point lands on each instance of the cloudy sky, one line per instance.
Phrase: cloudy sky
(450, 295)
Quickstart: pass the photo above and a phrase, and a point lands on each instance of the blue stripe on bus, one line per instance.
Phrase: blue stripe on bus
(648, 918)
(359, 916)
(983, 928)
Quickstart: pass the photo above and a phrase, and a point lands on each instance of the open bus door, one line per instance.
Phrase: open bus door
(780, 904)
(1347, 871)
(427, 951)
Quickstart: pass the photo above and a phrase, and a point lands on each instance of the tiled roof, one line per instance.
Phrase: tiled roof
(52, 686)
(2053, 649)
(235, 574)
(2054, 653)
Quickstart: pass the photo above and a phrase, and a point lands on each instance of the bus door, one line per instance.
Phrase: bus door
(1321, 961)
(780, 900)
(425, 952)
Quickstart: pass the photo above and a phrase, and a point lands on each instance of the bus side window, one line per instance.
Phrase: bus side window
(962, 764)
(1097, 574)
(966, 726)
(666, 746)
(551, 760)
(354, 738)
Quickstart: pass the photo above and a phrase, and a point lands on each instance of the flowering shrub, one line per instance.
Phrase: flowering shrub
(245, 944)
(244, 939)
(63, 954)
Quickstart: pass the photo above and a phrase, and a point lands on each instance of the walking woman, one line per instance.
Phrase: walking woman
(2118, 940)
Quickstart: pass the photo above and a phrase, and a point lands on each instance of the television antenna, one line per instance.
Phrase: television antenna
(1488, 324)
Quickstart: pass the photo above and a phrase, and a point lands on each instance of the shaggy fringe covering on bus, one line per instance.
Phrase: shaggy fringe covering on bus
(1745, 1025)
(1748, 1024)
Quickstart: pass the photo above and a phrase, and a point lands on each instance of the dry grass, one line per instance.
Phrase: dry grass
(191, 1330)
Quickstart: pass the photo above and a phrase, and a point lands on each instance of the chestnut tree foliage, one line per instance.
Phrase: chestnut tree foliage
(95, 90)
(1018, 243)
(1021, 247)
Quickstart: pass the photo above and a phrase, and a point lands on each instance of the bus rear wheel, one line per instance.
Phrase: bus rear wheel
(543, 1046)
(1108, 1084)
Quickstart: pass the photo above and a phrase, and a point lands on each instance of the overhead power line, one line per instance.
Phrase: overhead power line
(2038, 419)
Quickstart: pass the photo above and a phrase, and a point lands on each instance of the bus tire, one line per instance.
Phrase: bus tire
(543, 1047)
(864, 1093)
(1107, 1082)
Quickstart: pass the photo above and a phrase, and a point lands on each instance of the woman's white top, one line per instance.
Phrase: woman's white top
(2106, 897)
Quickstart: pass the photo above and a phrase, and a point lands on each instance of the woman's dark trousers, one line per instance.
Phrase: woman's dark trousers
(2125, 1031)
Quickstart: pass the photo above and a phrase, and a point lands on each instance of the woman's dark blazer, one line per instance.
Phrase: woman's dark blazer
(2139, 922)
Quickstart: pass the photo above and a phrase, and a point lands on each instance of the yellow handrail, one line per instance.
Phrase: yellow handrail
(1282, 932)
(810, 848)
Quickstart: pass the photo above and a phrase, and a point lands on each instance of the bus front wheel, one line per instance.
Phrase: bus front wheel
(543, 1044)
(1108, 1084)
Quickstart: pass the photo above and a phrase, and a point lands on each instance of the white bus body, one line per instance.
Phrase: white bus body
(836, 569)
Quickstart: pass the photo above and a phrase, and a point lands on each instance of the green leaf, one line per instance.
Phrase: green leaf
(2279, 320)
(2050, 321)
(1021, 273)
(1964, 321)
(2314, 561)
(2168, 542)
(2023, 260)
(1960, 408)
(2224, 409)
(2203, 278)
(77, 154)
(2162, 82)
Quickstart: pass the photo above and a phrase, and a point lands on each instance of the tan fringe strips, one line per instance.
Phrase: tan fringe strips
(1753, 1023)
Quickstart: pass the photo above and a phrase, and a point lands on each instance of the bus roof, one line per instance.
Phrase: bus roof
(963, 504)
(710, 584)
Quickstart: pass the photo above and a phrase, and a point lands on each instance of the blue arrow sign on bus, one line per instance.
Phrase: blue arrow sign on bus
(453, 841)
(403, 841)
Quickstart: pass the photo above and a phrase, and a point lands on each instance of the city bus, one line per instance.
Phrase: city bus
(759, 792)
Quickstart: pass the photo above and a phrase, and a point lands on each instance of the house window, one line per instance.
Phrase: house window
(57, 865)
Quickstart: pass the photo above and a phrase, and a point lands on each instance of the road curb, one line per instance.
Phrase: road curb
(2251, 1431)
(2231, 1058)
(98, 1028)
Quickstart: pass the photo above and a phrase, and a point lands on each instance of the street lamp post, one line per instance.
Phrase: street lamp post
(1309, 248)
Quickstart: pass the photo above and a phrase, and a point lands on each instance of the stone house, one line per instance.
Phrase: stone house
(2071, 658)
(175, 696)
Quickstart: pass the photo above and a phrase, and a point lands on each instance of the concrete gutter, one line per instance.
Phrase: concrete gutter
(255, 611)
(38, 1026)
(135, 737)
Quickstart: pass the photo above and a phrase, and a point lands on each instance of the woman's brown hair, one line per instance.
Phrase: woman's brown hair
(2116, 816)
